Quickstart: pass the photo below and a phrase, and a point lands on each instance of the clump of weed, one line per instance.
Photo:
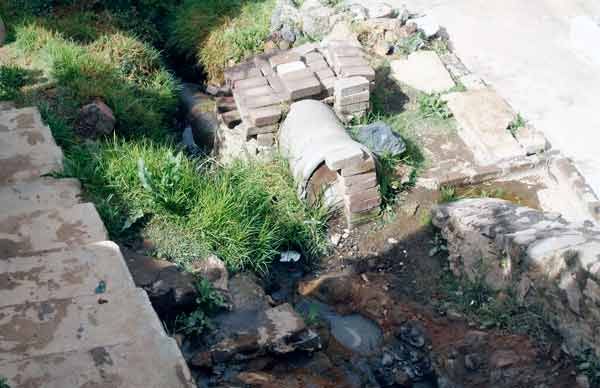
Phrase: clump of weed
(588, 363)
(12, 79)
(4, 382)
(431, 106)
(517, 123)
(208, 303)
(220, 32)
(411, 43)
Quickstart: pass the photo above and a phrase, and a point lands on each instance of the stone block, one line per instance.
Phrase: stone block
(328, 84)
(355, 219)
(353, 108)
(363, 201)
(343, 62)
(286, 57)
(75, 271)
(43, 230)
(264, 116)
(300, 88)
(290, 67)
(366, 165)
(241, 71)
(262, 101)
(297, 74)
(250, 130)
(249, 83)
(352, 99)
(306, 49)
(265, 139)
(344, 157)
(358, 71)
(318, 65)
(343, 50)
(348, 86)
(313, 56)
(41, 194)
(359, 182)
(276, 84)
(255, 91)
(324, 74)
(424, 71)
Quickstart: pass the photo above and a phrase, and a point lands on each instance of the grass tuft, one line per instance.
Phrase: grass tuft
(12, 79)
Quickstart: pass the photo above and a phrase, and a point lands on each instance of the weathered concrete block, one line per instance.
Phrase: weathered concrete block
(348, 86)
(264, 116)
(290, 67)
(248, 83)
(340, 63)
(41, 194)
(241, 71)
(318, 65)
(358, 71)
(531, 140)
(266, 139)
(301, 88)
(303, 73)
(359, 182)
(352, 99)
(424, 71)
(313, 56)
(366, 165)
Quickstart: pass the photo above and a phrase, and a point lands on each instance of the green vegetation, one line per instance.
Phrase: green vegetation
(220, 32)
(431, 106)
(12, 79)
(4, 382)
(517, 123)
(493, 309)
(412, 43)
(589, 364)
(208, 303)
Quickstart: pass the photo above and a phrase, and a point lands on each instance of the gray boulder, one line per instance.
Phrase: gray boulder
(96, 119)
(315, 19)
(285, 16)
(380, 139)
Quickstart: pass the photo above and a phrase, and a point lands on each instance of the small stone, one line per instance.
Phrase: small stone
(96, 119)
(472, 361)
(392, 241)
(503, 358)
(582, 381)
(383, 48)
(212, 269)
(387, 359)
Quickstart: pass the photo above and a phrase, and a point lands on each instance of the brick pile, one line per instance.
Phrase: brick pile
(357, 182)
(264, 87)
(351, 97)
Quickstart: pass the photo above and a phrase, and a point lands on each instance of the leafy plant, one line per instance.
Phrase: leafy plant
(589, 364)
(448, 194)
(208, 303)
(411, 43)
(4, 382)
(432, 106)
(12, 79)
(517, 123)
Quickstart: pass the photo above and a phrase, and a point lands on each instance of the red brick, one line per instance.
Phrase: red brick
(250, 130)
(264, 116)
(358, 71)
(241, 71)
(344, 157)
(298, 74)
(363, 201)
(313, 57)
(249, 83)
(348, 86)
(366, 165)
(301, 88)
(353, 108)
(360, 181)
(286, 57)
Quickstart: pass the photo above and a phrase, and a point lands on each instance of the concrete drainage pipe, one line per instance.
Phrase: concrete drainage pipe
(325, 160)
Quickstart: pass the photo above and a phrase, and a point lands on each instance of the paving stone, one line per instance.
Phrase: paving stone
(344, 157)
(276, 84)
(255, 91)
(262, 101)
(297, 75)
(290, 67)
(306, 48)
(344, 50)
(353, 99)
(150, 362)
(318, 65)
(80, 323)
(424, 71)
(249, 83)
(75, 271)
(363, 201)
(263, 65)
(344, 62)
(250, 130)
(286, 57)
(367, 165)
(40, 194)
(241, 71)
(42, 230)
(358, 71)
(348, 86)
(27, 149)
(353, 108)
(301, 88)
(328, 84)
(483, 118)
(359, 218)
(313, 56)
(265, 116)
(324, 74)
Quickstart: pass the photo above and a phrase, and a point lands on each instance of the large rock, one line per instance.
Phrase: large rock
(315, 19)
(214, 270)
(544, 259)
(286, 19)
(380, 139)
(424, 71)
(96, 119)
(170, 290)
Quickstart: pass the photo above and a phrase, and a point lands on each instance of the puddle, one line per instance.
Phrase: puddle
(353, 331)
(516, 192)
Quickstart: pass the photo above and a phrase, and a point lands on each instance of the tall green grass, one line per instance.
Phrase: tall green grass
(245, 213)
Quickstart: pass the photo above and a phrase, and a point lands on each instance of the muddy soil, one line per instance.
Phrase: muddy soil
(387, 274)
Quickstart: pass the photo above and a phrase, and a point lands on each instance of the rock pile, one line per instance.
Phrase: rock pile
(541, 257)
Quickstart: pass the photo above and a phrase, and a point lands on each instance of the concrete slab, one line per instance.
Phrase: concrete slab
(152, 363)
(44, 230)
(540, 55)
(82, 323)
(483, 118)
(64, 274)
(424, 71)
(27, 149)
(41, 194)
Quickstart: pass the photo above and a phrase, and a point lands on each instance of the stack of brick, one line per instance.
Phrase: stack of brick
(348, 61)
(357, 182)
(351, 97)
